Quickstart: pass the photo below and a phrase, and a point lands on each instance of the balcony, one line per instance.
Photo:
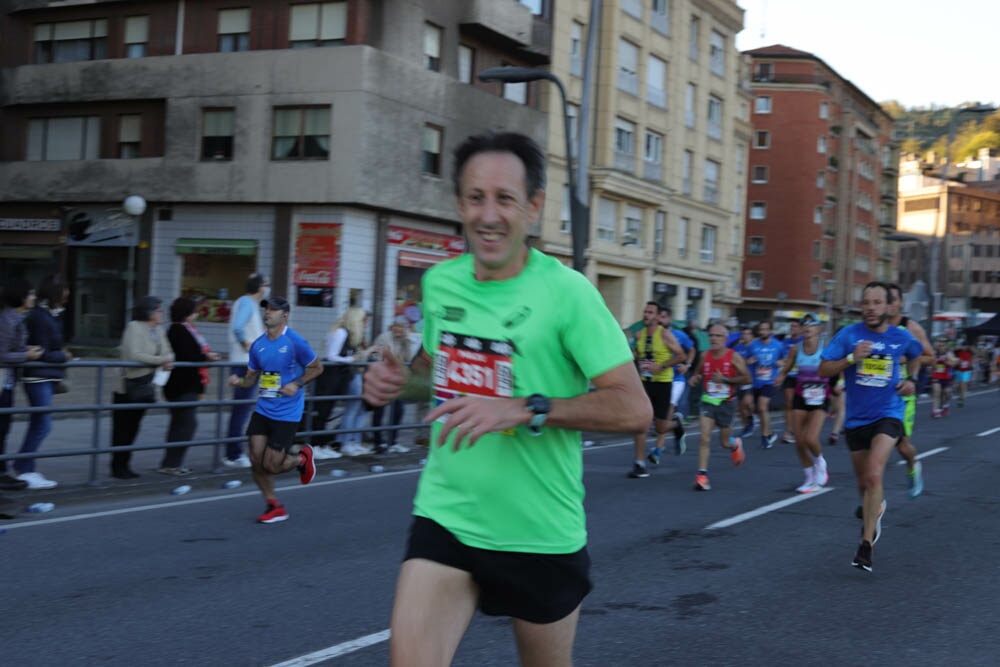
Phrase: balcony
(889, 195)
(492, 21)
(773, 77)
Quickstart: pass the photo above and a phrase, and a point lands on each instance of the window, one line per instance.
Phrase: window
(741, 153)
(717, 53)
(861, 263)
(821, 180)
(694, 27)
(633, 226)
(755, 246)
(689, 105)
(515, 92)
(534, 5)
(606, 219)
(430, 147)
(687, 167)
(74, 138)
(576, 49)
(432, 47)
(234, 30)
(318, 24)
(565, 224)
(656, 82)
(712, 169)
(652, 156)
(129, 136)
(814, 285)
(865, 234)
(659, 232)
(759, 174)
(466, 63)
(660, 18)
(824, 110)
(71, 41)
(763, 72)
(301, 133)
(755, 280)
(624, 144)
(817, 250)
(738, 202)
(136, 36)
(573, 111)
(821, 144)
(758, 210)
(217, 134)
(628, 67)
(762, 104)
(708, 233)
(683, 231)
(632, 7)
(761, 139)
(714, 117)
(818, 215)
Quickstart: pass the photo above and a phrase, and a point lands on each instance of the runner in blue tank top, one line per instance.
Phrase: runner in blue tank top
(765, 359)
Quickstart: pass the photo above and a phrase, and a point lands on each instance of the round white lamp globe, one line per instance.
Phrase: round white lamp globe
(134, 205)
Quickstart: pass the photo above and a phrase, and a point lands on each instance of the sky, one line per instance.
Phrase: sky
(917, 52)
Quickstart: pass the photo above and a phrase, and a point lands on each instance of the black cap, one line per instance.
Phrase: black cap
(276, 303)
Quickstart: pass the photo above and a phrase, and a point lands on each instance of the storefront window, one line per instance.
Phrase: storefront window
(317, 256)
(211, 283)
(418, 251)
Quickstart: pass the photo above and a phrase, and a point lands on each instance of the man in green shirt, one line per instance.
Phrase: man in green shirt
(499, 521)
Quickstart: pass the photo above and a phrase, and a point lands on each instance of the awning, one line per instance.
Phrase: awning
(420, 260)
(216, 247)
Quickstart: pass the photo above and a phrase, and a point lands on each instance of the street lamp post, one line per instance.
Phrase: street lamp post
(579, 211)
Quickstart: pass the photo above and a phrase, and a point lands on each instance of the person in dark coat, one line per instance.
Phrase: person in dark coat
(45, 329)
(185, 384)
(18, 297)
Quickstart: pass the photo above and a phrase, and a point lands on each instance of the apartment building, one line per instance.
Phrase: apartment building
(309, 140)
(669, 139)
(822, 190)
(959, 224)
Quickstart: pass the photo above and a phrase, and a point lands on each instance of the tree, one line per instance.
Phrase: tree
(971, 143)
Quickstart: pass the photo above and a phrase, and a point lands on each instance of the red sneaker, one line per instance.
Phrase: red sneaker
(701, 483)
(737, 454)
(307, 469)
(275, 513)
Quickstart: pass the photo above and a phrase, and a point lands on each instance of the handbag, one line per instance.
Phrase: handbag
(60, 387)
(140, 389)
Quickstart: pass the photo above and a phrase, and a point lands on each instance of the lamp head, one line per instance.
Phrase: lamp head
(134, 205)
(513, 74)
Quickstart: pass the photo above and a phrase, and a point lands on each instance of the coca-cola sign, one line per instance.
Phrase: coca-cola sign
(317, 254)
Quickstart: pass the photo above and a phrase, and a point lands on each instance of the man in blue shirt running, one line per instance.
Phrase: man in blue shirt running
(765, 354)
(869, 354)
(281, 364)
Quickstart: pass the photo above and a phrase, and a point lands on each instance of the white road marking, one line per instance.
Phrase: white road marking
(929, 452)
(990, 432)
(746, 516)
(336, 651)
(195, 501)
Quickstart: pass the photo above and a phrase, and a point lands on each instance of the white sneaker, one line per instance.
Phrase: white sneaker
(240, 462)
(36, 480)
(809, 484)
(399, 449)
(821, 475)
(330, 452)
(354, 449)
(320, 453)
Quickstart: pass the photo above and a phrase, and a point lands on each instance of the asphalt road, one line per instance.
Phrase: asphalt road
(162, 580)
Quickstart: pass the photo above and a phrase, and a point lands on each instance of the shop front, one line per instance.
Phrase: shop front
(30, 247)
(417, 250)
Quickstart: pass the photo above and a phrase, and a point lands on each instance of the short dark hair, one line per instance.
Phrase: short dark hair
(896, 288)
(16, 292)
(665, 309)
(52, 291)
(146, 306)
(181, 308)
(254, 281)
(652, 303)
(522, 146)
(889, 298)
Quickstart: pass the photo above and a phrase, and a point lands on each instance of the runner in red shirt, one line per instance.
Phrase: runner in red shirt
(721, 372)
(963, 372)
(941, 377)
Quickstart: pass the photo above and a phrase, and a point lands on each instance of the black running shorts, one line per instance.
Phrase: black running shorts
(280, 435)
(538, 588)
(860, 438)
(659, 397)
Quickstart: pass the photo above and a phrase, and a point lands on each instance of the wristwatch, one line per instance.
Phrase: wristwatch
(539, 406)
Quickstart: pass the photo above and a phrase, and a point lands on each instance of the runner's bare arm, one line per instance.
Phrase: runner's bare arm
(744, 372)
(677, 355)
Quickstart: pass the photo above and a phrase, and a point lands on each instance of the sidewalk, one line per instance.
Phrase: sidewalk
(84, 478)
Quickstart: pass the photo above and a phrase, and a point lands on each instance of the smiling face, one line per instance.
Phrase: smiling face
(496, 209)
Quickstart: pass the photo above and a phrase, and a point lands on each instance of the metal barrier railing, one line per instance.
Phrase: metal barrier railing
(100, 408)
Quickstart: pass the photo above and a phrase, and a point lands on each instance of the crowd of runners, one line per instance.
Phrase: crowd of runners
(863, 378)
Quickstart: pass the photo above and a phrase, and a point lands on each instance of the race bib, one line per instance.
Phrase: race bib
(717, 389)
(875, 371)
(270, 383)
(814, 394)
(466, 365)
(764, 373)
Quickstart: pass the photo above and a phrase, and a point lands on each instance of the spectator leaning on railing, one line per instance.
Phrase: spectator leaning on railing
(17, 297)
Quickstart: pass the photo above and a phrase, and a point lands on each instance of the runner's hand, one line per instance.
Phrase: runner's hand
(384, 380)
(470, 418)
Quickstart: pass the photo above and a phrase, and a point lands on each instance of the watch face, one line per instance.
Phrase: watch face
(538, 404)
